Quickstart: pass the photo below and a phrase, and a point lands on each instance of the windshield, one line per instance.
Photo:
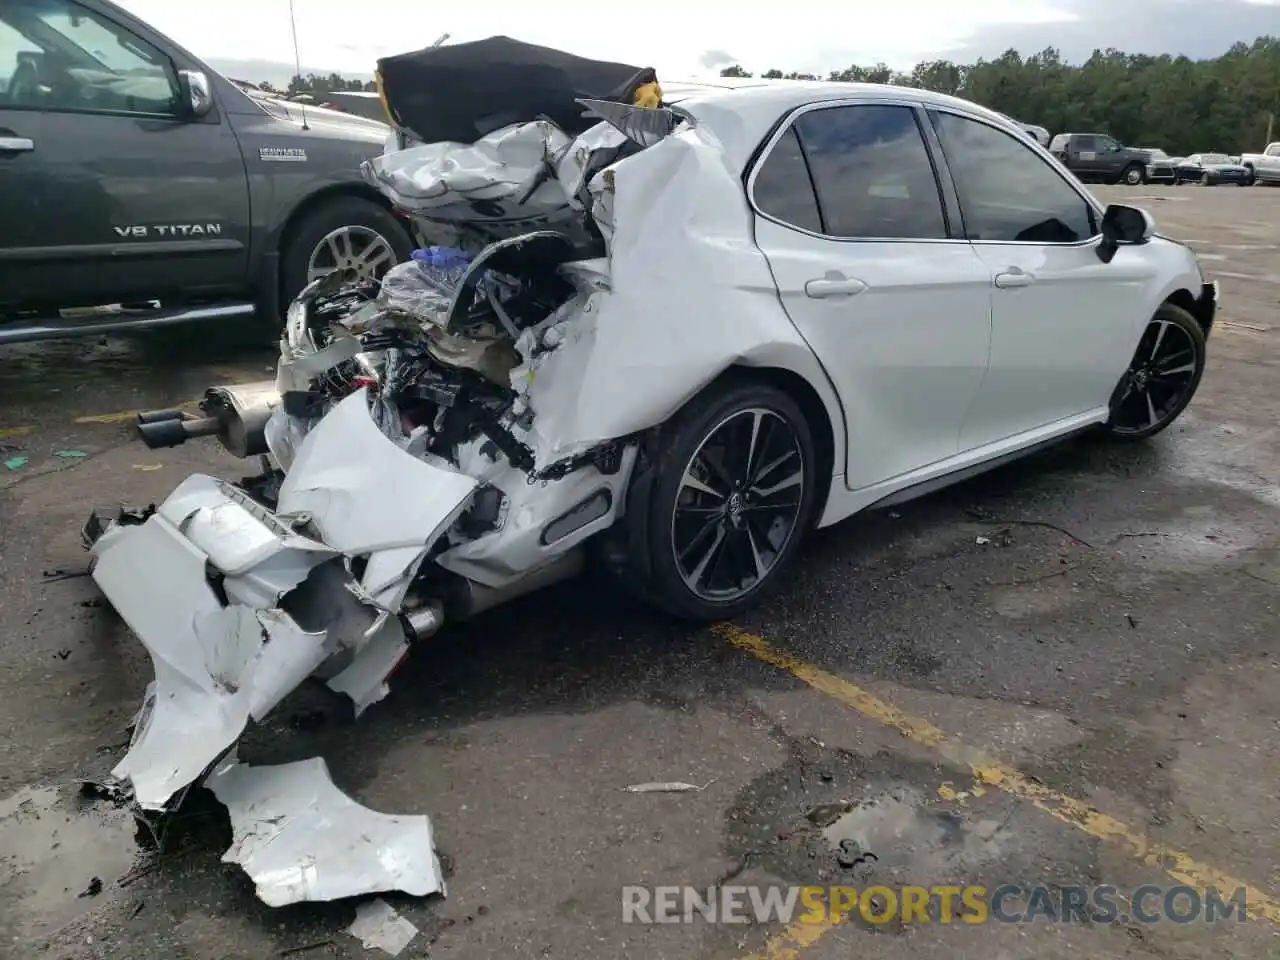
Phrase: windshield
(1214, 158)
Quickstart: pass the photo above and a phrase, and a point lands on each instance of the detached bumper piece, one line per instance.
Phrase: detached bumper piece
(237, 605)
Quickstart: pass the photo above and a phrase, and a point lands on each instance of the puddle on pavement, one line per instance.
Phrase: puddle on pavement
(896, 830)
(52, 845)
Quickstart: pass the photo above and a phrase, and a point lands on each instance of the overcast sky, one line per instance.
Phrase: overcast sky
(686, 37)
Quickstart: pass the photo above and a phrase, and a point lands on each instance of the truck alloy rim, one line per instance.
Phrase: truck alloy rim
(738, 504)
(1157, 382)
(360, 253)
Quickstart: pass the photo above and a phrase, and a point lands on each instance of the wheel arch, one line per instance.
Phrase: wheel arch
(1195, 306)
(318, 198)
(811, 404)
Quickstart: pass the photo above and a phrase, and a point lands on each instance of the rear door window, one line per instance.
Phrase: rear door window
(872, 173)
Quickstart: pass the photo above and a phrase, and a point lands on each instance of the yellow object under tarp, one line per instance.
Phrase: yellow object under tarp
(648, 95)
(382, 96)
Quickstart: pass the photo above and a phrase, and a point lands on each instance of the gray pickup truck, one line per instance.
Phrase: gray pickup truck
(139, 188)
(1096, 156)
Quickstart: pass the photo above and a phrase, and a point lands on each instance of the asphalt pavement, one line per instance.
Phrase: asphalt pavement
(1062, 673)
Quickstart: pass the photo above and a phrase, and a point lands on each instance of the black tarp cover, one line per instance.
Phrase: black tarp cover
(460, 92)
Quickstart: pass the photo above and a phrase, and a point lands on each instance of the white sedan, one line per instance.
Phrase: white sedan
(672, 342)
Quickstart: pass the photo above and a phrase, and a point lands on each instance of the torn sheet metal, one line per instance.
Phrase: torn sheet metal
(378, 927)
(364, 493)
(365, 679)
(638, 352)
(503, 176)
(588, 500)
(299, 838)
(215, 666)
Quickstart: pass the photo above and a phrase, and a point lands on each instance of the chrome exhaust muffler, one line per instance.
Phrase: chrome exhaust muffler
(236, 414)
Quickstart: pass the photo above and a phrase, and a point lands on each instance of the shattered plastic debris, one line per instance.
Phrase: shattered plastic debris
(15, 463)
(423, 289)
(69, 454)
(378, 927)
(299, 838)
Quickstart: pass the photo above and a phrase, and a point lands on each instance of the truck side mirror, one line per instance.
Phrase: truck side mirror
(1121, 226)
(197, 98)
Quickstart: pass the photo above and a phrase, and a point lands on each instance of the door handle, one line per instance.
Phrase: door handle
(15, 144)
(833, 285)
(1014, 277)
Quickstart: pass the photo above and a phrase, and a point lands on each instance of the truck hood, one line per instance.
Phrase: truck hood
(327, 124)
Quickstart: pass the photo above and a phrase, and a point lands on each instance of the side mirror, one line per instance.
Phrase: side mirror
(197, 98)
(1123, 226)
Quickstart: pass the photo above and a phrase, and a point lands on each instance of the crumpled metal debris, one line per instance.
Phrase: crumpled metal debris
(299, 838)
(378, 927)
(456, 182)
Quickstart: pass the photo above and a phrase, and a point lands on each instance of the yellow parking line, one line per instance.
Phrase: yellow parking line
(123, 414)
(7, 432)
(1076, 813)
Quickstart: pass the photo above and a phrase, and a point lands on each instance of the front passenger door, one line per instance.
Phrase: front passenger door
(1063, 323)
(851, 217)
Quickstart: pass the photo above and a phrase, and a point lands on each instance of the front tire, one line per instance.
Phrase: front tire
(1162, 377)
(1205, 181)
(733, 495)
(1134, 175)
(348, 233)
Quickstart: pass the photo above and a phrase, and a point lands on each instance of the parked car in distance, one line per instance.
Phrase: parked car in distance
(1039, 134)
(1264, 166)
(139, 183)
(1159, 165)
(1211, 169)
(1096, 156)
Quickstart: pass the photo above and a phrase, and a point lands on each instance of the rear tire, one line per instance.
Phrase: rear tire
(732, 496)
(317, 238)
(1162, 377)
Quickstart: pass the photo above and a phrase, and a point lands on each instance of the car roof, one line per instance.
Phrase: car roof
(741, 111)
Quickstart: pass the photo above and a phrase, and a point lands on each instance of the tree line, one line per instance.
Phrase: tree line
(1227, 104)
(319, 86)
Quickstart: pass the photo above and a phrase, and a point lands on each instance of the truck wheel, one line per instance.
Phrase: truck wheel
(351, 234)
(1133, 175)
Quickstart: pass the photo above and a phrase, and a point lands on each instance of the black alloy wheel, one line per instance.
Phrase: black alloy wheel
(1163, 376)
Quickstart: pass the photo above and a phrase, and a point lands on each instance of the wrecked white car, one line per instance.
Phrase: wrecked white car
(670, 337)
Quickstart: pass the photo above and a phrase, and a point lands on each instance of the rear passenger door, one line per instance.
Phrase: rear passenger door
(860, 235)
(1082, 156)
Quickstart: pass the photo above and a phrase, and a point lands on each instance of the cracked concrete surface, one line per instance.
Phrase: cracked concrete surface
(1124, 655)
